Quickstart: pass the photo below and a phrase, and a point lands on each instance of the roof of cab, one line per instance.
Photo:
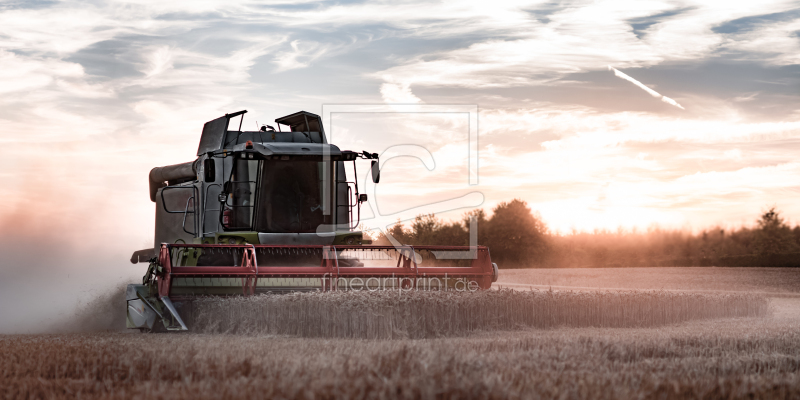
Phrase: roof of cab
(296, 149)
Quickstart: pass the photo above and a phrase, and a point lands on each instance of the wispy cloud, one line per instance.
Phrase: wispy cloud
(652, 92)
(398, 93)
(123, 87)
(302, 53)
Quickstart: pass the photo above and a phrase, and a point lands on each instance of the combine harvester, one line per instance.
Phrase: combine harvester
(274, 211)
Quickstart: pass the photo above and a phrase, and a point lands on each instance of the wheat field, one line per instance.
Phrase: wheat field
(783, 281)
(755, 357)
(423, 314)
(494, 345)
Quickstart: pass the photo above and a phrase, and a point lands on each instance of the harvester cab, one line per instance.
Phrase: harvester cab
(272, 211)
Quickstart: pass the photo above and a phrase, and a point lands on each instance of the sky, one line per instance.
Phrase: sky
(599, 114)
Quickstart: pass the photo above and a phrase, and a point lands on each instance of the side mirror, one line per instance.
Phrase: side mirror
(376, 171)
(362, 198)
(209, 170)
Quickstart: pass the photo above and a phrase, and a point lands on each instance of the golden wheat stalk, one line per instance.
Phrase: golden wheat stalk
(390, 314)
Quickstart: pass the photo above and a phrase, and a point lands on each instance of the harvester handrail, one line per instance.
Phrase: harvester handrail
(206, 209)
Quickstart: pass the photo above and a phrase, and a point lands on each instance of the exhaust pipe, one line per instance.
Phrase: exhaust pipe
(160, 175)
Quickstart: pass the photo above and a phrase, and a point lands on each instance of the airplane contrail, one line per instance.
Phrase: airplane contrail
(652, 92)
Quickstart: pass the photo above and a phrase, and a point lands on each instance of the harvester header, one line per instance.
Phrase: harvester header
(274, 211)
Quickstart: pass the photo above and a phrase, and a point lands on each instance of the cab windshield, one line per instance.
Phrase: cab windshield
(277, 196)
(290, 196)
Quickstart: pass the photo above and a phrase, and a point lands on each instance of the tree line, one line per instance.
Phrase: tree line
(518, 238)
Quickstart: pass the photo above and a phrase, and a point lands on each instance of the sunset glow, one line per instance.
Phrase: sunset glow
(702, 130)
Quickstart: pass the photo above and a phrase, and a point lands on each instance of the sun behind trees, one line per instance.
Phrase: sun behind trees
(514, 235)
(518, 238)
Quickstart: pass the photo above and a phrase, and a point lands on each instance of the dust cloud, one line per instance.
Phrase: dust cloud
(60, 276)
(104, 312)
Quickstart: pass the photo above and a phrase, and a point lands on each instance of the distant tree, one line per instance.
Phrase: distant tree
(796, 234)
(424, 228)
(427, 229)
(518, 238)
(396, 231)
(773, 235)
(515, 236)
